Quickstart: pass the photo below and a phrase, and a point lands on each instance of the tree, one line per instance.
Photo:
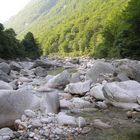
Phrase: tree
(31, 46)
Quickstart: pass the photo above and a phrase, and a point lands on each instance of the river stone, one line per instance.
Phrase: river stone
(41, 72)
(20, 100)
(15, 66)
(101, 105)
(45, 64)
(36, 123)
(97, 92)
(29, 113)
(75, 78)
(5, 77)
(98, 69)
(6, 132)
(130, 68)
(50, 103)
(126, 106)
(64, 119)
(122, 77)
(13, 103)
(58, 81)
(79, 88)
(81, 122)
(66, 104)
(101, 125)
(5, 86)
(58, 131)
(5, 67)
(126, 91)
(80, 103)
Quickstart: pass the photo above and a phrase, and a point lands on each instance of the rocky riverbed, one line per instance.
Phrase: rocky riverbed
(71, 98)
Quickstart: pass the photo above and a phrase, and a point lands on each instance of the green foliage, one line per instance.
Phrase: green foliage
(122, 34)
(31, 46)
(99, 28)
(10, 47)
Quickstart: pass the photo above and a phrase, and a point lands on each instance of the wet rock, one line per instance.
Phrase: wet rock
(81, 122)
(129, 115)
(79, 88)
(97, 92)
(5, 67)
(101, 125)
(86, 130)
(98, 69)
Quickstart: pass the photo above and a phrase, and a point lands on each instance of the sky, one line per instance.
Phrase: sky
(9, 8)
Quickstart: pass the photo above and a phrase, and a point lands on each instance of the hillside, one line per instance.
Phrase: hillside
(30, 13)
(91, 27)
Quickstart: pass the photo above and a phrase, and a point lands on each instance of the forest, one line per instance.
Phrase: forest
(97, 28)
(11, 47)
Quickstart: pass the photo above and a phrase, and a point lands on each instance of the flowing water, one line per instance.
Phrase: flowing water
(123, 128)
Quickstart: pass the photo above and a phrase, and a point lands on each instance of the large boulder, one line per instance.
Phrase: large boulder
(98, 69)
(128, 67)
(122, 91)
(15, 66)
(13, 103)
(6, 86)
(122, 94)
(97, 92)
(5, 77)
(58, 81)
(5, 67)
(41, 72)
(79, 88)
(51, 103)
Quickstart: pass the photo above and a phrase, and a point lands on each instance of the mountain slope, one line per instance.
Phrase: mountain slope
(70, 26)
(30, 13)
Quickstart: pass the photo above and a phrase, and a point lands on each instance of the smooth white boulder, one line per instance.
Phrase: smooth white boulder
(79, 88)
(5, 86)
(58, 81)
(98, 69)
(64, 119)
(126, 92)
(97, 92)
(13, 103)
